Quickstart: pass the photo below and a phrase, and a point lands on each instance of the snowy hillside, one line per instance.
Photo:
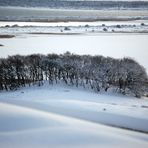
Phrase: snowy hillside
(64, 116)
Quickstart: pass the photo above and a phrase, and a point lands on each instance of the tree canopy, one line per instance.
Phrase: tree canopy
(125, 75)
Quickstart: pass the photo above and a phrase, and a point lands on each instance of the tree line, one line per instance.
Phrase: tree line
(77, 4)
(99, 73)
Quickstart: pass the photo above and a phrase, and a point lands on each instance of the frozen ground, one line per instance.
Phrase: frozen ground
(140, 26)
(75, 23)
(65, 116)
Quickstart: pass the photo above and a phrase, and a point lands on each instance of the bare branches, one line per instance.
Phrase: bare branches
(93, 72)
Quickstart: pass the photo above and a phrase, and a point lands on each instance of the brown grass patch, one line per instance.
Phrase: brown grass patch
(6, 36)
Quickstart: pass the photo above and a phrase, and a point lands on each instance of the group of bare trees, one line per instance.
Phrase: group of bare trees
(94, 72)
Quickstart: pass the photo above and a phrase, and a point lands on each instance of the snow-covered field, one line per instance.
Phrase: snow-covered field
(123, 38)
(64, 116)
(75, 27)
(75, 23)
(60, 116)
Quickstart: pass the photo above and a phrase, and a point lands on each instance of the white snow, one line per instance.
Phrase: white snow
(69, 117)
(95, 23)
